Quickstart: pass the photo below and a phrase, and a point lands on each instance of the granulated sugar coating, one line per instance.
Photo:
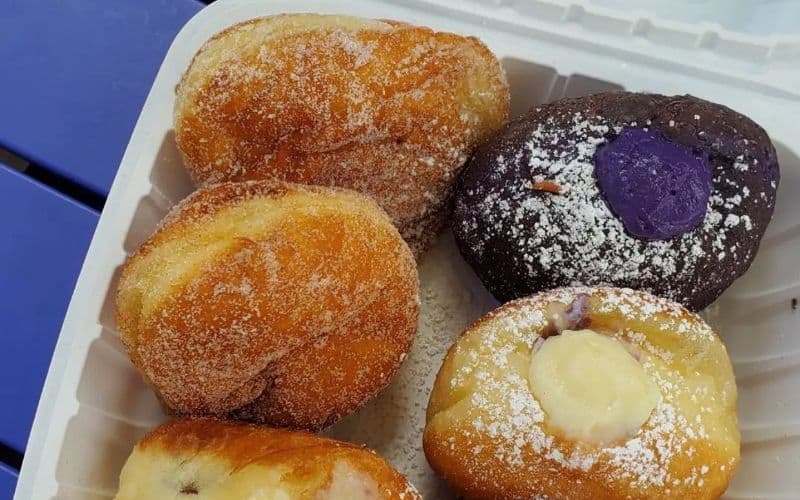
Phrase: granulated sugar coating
(382, 107)
(529, 216)
(489, 437)
(270, 302)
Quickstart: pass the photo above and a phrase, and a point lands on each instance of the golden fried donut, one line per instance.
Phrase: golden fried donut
(581, 393)
(272, 302)
(386, 108)
(214, 460)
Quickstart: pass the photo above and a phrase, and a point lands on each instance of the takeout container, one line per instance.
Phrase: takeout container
(95, 406)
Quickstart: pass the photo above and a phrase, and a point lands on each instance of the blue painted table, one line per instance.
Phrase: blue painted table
(8, 481)
(44, 238)
(75, 74)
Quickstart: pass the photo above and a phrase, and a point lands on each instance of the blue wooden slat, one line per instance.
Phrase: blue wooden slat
(43, 239)
(75, 76)
(8, 481)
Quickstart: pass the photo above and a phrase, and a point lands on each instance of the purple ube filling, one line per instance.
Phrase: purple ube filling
(658, 188)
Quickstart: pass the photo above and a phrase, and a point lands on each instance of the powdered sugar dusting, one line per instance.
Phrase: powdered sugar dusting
(586, 226)
(505, 427)
(530, 216)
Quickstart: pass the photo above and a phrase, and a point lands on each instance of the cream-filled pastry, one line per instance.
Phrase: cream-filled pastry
(210, 459)
(577, 393)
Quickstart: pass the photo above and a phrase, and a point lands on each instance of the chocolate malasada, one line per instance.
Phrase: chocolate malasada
(670, 194)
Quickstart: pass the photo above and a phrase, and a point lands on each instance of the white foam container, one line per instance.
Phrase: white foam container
(95, 406)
